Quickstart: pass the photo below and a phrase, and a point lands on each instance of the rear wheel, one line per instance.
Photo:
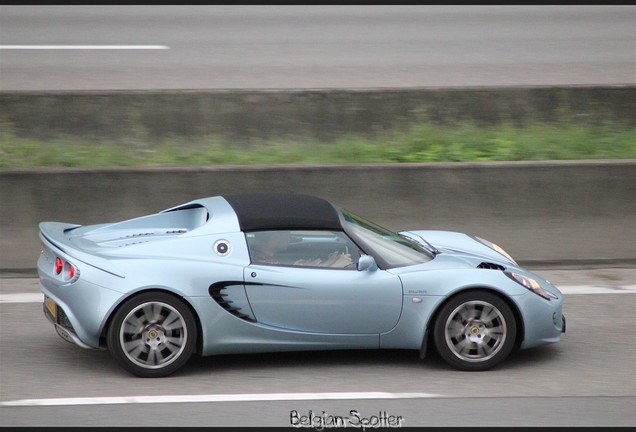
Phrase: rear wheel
(475, 331)
(152, 335)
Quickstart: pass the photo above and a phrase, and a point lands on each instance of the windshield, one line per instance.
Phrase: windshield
(389, 247)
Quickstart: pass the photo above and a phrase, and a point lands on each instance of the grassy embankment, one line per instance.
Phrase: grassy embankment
(424, 143)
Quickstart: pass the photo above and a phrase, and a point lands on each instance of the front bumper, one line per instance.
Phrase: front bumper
(544, 321)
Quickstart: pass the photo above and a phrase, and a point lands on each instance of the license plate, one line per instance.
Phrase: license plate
(51, 306)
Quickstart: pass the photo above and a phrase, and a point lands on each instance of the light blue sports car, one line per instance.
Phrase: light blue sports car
(264, 272)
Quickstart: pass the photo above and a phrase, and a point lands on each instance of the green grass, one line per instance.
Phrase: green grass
(423, 143)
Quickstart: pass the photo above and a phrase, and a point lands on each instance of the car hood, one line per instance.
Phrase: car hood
(457, 243)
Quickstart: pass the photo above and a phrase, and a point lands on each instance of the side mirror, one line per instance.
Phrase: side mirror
(367, 262)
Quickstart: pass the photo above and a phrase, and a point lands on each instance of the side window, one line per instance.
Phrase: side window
(301, 248)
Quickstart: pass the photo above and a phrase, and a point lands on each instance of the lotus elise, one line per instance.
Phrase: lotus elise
(273, 272)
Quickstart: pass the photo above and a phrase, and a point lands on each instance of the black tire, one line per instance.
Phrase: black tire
(475, 330)
(152, 335)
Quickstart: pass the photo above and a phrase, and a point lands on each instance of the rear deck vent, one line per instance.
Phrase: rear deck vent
(139, 235)
(133, 243)
(491, 266)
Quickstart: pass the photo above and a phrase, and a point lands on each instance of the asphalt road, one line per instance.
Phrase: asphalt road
(123, 47)
(587, 379)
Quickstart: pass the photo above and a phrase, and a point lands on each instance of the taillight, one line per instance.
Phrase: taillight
(59, 265)
(65, 270)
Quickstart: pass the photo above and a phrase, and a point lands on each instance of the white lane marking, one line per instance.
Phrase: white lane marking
(566, 290)
(217, 398)
(84, 47)
(22, 298)
(588, 289)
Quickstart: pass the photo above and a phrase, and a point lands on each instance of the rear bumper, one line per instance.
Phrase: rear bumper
(60, 321)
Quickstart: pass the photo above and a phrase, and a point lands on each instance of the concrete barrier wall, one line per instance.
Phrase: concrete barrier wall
(246, 117)
(541, 212)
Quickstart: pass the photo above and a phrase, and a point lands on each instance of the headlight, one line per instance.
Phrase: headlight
(531, 284)
(496, 248)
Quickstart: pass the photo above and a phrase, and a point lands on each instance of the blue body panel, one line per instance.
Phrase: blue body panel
(274, 308)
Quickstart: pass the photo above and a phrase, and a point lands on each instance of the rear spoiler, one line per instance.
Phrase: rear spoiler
(54, 234)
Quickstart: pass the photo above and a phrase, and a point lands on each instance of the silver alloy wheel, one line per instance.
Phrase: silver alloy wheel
(475, 331)
(153, 335)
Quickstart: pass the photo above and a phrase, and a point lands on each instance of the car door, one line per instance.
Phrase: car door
(325, 300)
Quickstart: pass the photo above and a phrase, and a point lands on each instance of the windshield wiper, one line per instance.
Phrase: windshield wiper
(426, 245)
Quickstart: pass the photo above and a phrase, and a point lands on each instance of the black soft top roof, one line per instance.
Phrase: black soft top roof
(279, 210)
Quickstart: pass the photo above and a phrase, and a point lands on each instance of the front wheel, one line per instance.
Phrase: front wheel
(475, 331)
(152, 335)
